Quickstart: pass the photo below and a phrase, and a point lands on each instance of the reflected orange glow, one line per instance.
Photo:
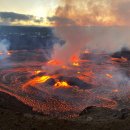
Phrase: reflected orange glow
(115, 90)
(54, 62)
(64, 67)
(1, 53)
(8, 53)
(87, 52)
(122, 59)
(74, 59)
(37, 71)
(109, 76)
(62, 84)
(106, 102)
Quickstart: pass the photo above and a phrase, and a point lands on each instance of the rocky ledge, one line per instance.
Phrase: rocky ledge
(91, 118)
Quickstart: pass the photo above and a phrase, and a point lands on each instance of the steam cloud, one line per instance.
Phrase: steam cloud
(4, 46)
(75, 38)
(69, 17)
(95, 38)
(108, 39)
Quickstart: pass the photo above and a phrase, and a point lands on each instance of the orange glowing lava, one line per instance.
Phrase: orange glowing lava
(54, 62)
(64, 67)
(109, 76)
(62, 84)
(36, 80)
(37, 71)
(115, 90)
(74, 59)
(122, 59)
(76, 64)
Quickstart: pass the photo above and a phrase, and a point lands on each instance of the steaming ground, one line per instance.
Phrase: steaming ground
(98, 80)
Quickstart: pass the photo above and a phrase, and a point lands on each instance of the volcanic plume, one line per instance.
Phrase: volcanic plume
(81, 72)
(70, 19)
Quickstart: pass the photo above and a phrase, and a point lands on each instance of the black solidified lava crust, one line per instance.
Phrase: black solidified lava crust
(74, 81)
(123, 53)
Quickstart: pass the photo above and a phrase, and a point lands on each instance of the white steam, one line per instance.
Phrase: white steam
(76, 39)
(109, 39)
(101, 39)
(4, 47)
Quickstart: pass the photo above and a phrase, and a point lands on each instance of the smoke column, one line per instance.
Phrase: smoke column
(99, 31)
(75, 38)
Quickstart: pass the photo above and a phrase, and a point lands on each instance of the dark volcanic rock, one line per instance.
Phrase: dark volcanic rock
(123, 113)
(87, 110)
(123, 53)
(38, 75)
(11, 103)
(100, 113)
(74, 81)
(50, 82)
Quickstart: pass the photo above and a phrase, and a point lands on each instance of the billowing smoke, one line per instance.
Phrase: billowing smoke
(101, 39)
(71, 15)
(83, 13)
(74, 36)
(108, 39)
(4, 47)
(91, 13)
(76, 40)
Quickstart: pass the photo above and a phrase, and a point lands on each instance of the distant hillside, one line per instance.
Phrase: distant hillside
(28, 38)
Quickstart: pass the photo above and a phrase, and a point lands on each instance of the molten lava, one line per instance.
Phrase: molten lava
(74, 58)
(109, 76)
(122, 59)
(62, 91)
(75, 61)
(76, 64)
(54, 62)
(37, 71)
(36, 80)
(61, 84)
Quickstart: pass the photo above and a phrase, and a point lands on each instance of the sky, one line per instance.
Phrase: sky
(65, 12)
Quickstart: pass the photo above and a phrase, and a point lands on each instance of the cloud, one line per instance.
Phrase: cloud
(60, 20)
(92, 12)
(14, 16)
(121, 10)
(10, 18)
(85, 12)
